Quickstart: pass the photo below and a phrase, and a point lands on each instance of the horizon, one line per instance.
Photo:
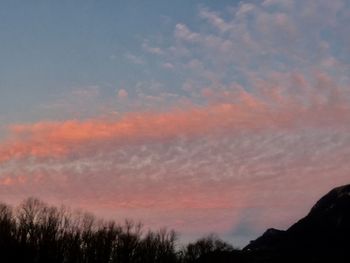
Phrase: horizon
(226, 117)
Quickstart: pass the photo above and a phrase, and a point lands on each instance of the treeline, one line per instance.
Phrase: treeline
(35, 232)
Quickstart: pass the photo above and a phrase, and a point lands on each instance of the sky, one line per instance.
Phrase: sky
(203, 116)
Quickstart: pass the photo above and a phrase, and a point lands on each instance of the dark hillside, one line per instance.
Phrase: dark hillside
(37, 233)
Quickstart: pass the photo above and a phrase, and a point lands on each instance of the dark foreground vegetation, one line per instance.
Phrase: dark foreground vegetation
(35, 232)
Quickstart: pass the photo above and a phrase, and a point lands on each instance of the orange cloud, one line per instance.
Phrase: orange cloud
(55, 139)
(273, 109)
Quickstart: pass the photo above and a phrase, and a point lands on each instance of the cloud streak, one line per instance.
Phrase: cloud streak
(264, 113)
(274, 107)
(241, 151)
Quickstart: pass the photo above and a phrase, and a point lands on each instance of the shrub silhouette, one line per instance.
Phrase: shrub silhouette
(35, 232)
(204, 247)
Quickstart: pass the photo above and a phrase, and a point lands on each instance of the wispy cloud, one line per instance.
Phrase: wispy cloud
(263, 113)
(151, 49)
(134, 59)
(276, 105)
(219, 156)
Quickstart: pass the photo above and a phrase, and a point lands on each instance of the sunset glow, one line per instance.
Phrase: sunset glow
(227, 117)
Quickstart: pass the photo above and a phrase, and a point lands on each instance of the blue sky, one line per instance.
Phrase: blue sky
(203, 116)
(48, 48)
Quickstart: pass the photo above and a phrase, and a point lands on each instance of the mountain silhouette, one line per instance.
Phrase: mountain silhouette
(321, 236)
(35, 232)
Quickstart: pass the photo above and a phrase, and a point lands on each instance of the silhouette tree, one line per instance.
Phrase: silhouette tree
(203, 247)
(35, 232)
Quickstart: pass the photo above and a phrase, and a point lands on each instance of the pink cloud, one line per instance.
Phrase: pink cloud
(122, 94)
(222, 158)
(182, 32)
(261, 154)
(274, 106)
(168, 65)
(215, 20)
